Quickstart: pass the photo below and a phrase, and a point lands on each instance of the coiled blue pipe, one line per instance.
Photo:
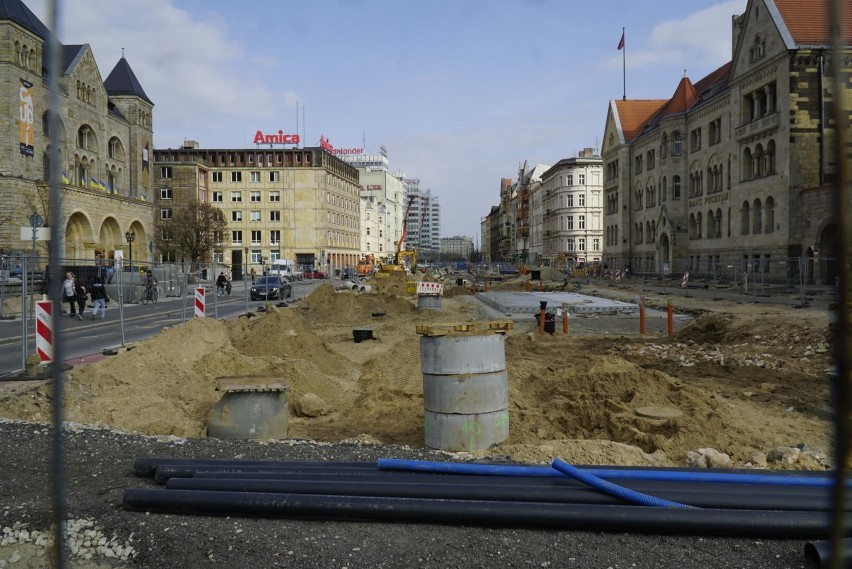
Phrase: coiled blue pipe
(614, 490)
(609, 474)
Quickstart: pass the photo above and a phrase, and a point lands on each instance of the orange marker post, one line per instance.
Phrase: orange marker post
(671, 319)
(565, 319)
(541, 321)
(641, 316)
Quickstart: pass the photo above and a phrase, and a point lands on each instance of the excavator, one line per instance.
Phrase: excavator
(366, 265)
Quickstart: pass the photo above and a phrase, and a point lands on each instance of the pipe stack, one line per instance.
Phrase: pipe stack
(745, 503)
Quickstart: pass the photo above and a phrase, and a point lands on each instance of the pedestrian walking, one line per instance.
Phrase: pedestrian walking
(252, 273)
(221, 281)
(82, 296)
(69, 294)
(99, 298)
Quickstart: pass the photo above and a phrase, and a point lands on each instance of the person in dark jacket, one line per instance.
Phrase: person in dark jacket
(82, 296)
(99, 298)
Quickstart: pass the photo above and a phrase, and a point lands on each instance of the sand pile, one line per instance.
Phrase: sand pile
(571, 396)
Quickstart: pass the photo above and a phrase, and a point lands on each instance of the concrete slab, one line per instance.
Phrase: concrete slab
(518, 302)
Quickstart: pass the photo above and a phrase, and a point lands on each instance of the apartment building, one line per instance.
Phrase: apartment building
(294, 203)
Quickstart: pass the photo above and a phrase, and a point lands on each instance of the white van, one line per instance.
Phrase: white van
(285, 268)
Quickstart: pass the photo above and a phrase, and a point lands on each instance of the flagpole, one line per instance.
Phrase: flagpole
(623, 66)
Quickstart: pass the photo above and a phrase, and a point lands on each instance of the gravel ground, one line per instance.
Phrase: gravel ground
(100, 469)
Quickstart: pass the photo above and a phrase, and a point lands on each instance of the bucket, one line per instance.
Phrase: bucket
(465, 391)
(250, 415)
(428, 302)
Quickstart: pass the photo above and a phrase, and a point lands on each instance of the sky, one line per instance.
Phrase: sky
(460, 92)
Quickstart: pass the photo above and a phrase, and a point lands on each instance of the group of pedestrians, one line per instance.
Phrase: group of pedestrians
(75, 293)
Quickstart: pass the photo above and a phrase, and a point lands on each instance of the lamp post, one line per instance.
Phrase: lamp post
(131, 237)
(245, 282)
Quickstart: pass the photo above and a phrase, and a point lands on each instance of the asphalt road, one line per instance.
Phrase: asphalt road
(79, 338)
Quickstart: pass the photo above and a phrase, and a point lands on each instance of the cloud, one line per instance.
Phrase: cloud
(700, 40)
(178, 56)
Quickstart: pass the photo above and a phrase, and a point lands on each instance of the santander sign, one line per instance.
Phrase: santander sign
(279, 138)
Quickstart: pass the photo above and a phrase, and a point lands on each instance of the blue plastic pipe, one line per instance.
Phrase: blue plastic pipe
(611, 489)
(609, 473)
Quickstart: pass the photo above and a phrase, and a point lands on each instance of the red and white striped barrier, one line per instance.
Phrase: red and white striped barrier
(430, 288)
(44, 330)
(199, 302)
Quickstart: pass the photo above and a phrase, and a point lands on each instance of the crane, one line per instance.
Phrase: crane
(396, 266)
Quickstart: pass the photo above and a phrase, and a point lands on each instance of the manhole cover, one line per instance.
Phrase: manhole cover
(657, 412)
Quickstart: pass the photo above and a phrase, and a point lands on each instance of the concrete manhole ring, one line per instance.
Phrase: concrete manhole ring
(658, 412)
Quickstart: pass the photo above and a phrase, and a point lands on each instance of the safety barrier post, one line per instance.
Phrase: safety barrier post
(199, 302)
(641, 316)
(542, 316)
(565, 318)
(44, 330)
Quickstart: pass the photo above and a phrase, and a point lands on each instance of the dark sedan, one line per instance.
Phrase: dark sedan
(271, 287)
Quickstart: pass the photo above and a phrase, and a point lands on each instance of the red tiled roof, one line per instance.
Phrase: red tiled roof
(634, 114)
(683, 97)
(808, 21)
(712, 78)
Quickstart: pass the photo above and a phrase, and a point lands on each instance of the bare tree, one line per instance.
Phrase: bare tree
(192, 233)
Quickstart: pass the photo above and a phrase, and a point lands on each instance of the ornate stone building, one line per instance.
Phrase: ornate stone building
(734, 173)
(104, 138)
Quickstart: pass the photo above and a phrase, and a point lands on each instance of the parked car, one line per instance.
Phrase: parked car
(271, 287)
(314, 274)
(349, 273)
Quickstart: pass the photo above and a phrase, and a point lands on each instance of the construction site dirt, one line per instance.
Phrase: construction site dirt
(745, 379)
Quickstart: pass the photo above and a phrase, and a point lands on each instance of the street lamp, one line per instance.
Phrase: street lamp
(131, 237)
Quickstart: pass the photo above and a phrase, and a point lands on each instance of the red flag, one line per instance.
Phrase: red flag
(621, 43)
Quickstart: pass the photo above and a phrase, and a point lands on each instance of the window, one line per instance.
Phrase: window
(581, 200)
(569, 180)
(217, 177)
(254, 196)
(581, 222)
(165, 172)
(165, 193)
(236, 196)
(254, 176)
(218, 197)
(695, 139)
(256, 257)
(165, 213)
(569, 200)
(275, 176)
(675, 187)
(236, 176)
(275, 196)
(275, 236)
(596, 244)
(274, 215)
(581, 244)
(664, 146)
(236, 237)
(715, 131)
(255, 236)
(677, 143)
(570, 224)
(650, 157)
(581, 179)
(254, 215)
(236, 216)
(637, 163)
(368, 231)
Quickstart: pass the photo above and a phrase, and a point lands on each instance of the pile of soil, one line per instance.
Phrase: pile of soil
(743, 381)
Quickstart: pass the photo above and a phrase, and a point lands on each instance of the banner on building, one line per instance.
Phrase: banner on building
(26, 135)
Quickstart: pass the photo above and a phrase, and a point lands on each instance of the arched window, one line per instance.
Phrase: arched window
(698, 228)
(677, 143)
(675, 187)
(770, 215)
(757, 217)
(691, 226)
(769, 158)
(746, 216)
(747, 165)
(718, 223)
(663, 190)
(757, 162)
(664, 145)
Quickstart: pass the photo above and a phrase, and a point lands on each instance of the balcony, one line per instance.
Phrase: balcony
(758, 127)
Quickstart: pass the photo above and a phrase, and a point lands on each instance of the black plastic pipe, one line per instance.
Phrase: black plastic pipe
(639, 519)
(166, 471)
(495, 491)
(520, 482)
(819, 553)
(147, 465)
